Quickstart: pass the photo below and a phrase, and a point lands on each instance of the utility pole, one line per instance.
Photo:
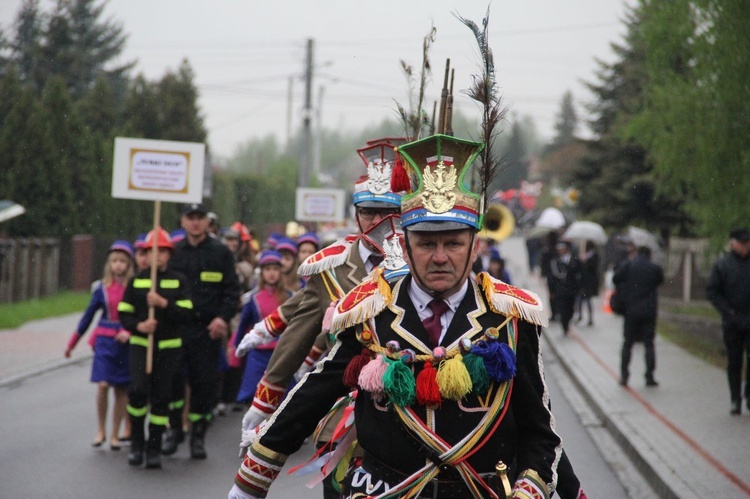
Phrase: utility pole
(289, 112)
(303, 179)
(318, 132)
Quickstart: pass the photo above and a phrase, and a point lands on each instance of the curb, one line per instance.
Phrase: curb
(619, 432)
(17, 379)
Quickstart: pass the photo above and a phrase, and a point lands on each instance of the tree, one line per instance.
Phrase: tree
(515, 162)
(66, 153)
(79, 47)
(697, 107)
(179, 114)
(26, 47)
(566, 123)
(32, 185)
(616, 179)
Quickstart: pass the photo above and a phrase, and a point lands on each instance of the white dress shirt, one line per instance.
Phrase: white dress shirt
(420, 298)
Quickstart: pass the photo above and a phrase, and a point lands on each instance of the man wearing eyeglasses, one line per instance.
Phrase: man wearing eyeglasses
(333, 272)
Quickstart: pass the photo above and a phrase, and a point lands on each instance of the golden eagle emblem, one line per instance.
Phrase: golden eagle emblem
(438, 186)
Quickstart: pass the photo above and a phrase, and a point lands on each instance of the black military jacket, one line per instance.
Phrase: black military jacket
(524, 439)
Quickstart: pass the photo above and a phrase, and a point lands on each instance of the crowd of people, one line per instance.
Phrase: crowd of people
(210, 285)
(410, 327)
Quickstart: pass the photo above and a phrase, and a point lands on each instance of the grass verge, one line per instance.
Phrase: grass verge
(703, 347)
(14, 314)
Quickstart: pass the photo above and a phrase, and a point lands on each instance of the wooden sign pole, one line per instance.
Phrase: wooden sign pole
(151, 311)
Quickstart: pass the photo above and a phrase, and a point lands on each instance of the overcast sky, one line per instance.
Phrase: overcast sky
(245, 52)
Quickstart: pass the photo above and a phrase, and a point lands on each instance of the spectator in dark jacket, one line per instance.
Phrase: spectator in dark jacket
(589, 281)
(639, 280)
(729, 290)
(564, 282)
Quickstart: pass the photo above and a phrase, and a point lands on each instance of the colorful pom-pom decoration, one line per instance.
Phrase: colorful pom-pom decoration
(439, 353)
(465, 345)
(354, 368)
(428, 392)
(393, 346)
(492, 333)
(480, 379)
(453, 379)
(399, 383)
(365, 337)
(408, 355)
(371, 376)
(499, 359)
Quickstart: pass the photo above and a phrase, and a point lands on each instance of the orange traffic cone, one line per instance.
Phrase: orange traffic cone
(605, 302)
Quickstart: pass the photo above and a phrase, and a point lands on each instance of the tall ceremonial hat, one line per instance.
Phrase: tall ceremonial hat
(440, 199)
(373, 190)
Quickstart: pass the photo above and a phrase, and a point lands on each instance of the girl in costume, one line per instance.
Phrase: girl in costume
(257, 304)
(110, 367)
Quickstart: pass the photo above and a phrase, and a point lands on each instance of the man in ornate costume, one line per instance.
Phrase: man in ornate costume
(452, 400)
(332, 271)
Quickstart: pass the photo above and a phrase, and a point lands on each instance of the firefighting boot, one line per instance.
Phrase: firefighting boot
(172, 439)
(197, 439)
(135, 457)
(153, 447)
(175, 435)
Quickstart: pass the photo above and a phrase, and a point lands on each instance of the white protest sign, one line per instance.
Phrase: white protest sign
(158, 170)
(319, 205)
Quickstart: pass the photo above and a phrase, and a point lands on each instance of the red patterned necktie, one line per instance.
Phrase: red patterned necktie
(432, 323)
(375, 259)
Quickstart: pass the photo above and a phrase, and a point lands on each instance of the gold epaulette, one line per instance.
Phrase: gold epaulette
(328, 258)
(363, 302)
(510, 300)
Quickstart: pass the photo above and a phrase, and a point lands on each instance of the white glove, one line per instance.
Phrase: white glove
(252, 418)
(248, 437)
(251, 422)
(238, 493)
(303, 369)
(251, 340)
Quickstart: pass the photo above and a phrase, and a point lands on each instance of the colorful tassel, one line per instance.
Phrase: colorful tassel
(328, 317)
(371, 376)
(428, 392)
(354, 369)
(499, 359)
(453, 378)
(399, 383)
(399, 177)
(480, 379)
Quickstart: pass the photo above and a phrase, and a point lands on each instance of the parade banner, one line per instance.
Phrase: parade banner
(319, 205)
(158, 170)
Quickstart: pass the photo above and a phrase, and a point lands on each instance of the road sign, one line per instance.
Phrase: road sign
(319, 205)
(158, 170)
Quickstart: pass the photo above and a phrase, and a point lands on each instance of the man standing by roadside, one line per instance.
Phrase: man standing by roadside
(639, 280)
(208, 266)
(729, 290)
(564, 282)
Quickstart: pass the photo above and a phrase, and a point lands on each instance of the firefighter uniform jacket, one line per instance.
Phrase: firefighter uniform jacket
(209, 270)
(134, 309)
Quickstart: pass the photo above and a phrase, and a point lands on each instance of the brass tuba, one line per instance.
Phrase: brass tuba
(499, 223)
